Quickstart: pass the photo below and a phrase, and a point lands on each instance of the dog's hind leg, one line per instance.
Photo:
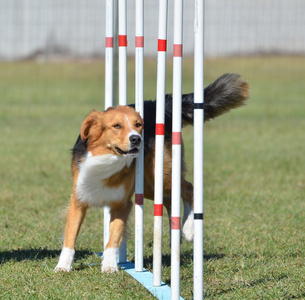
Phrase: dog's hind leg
(188, 215)
(167, 203)
(75, 216)
(119, 216)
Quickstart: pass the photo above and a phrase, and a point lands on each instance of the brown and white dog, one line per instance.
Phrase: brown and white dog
(104, 161)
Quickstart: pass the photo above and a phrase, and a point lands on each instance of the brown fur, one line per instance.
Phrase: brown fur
(102, 139)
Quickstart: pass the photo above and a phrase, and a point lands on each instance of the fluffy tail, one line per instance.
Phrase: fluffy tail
(224, 94)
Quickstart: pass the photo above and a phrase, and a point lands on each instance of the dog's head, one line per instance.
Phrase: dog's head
(116, 131)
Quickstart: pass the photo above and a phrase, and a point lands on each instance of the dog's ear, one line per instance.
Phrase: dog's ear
(92, 119)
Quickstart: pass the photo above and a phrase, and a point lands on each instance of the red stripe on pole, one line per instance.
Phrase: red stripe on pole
(158, 210)
(177, 50)
(161, 45)
(140, 41)
(122, 40)
(175, 221)
(139, 199)
(159, 129)
(176, 138)
(109, 42)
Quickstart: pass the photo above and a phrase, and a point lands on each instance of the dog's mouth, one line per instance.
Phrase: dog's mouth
(130, 152)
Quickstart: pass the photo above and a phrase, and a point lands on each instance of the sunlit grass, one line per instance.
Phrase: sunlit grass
(254, 183)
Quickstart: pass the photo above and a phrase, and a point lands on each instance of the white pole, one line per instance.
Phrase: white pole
(108, 89)
(109, 55)
(176, 150)
(159, 143)
(139, 105)
(122, 15)
(198, 147)
(122, 52)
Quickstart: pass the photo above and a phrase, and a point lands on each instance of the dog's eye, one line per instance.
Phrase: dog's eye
(117, 126)
(138, 125)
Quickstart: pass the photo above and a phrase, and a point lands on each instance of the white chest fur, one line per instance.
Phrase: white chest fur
(93, 170)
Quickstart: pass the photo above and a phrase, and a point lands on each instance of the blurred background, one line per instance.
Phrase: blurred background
(52, 29)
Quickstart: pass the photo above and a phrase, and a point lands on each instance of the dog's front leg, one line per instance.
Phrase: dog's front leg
(119, 216)
(75, 216)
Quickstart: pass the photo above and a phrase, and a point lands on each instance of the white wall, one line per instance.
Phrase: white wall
(51, 28)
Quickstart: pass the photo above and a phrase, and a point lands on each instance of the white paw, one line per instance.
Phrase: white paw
(65, 260)
(109, 264)
(188, 223)
(62, 269)
(110, 269)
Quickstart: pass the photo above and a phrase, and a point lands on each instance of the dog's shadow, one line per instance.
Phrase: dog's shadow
(35, 254)
(19, 255)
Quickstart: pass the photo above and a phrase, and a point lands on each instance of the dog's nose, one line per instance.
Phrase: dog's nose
(135, 140)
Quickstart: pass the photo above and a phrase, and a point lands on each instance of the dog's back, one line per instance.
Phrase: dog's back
(224, 94)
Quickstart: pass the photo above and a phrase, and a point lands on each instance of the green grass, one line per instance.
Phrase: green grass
(254, 184)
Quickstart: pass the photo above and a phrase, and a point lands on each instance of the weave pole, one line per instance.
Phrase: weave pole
(176, 150)
(198, 147)
(159, 143)
(122, 35)
(108, 88)
(109, 55)
(153, 281)
(122, 15)
(139, 105)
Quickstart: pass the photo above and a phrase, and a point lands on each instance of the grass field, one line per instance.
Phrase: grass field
(254, 184)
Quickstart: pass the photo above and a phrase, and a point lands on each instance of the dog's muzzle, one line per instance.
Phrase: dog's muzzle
(135, 146)
(135, 140)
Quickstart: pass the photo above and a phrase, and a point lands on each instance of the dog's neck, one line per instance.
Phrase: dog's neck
(104, 166)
